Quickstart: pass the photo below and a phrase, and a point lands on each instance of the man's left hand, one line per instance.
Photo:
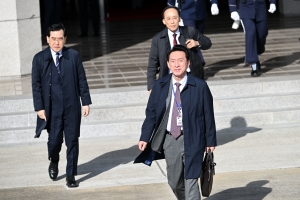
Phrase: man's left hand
(214, 9)
(85, 110)
(211, 149)
(190, 43)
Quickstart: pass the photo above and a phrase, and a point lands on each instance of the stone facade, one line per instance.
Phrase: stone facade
(20, 36)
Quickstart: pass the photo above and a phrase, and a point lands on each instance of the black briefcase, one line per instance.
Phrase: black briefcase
(207, 173)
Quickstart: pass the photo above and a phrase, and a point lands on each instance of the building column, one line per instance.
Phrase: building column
(20, 36)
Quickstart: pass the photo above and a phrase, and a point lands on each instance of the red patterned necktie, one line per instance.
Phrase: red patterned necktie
(174, 41)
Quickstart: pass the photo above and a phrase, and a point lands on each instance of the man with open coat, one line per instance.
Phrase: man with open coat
(194, 117)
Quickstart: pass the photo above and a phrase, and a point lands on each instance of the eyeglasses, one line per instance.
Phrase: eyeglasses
(57, 39)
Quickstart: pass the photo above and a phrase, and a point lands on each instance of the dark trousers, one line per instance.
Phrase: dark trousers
(84, 16)
(199, 25)
(256, 33)
(56, 131)
(52, 10)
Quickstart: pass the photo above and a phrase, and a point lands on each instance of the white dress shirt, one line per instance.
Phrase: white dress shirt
(53, 53)
(183, 83)
(171, 38)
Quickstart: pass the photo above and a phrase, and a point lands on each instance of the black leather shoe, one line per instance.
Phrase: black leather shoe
(53, 170)
(258, 66)
(255, 73)
(71, 181)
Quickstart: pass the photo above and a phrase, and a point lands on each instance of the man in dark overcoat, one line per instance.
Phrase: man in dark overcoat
(179, 125)
(59, 88)
(174, 34)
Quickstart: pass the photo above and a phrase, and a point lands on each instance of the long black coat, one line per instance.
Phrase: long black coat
(160, 46)
(198, 122)
(74, 87)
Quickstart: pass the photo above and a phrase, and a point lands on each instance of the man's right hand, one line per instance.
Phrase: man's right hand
(235, 16)
(142, 145)
(42, 114)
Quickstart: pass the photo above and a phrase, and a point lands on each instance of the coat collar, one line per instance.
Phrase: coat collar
(164, 32)
(166, 80)
(48, 56)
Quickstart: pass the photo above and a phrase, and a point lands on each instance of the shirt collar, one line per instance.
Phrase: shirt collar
(53, 53)
(182, 82)
(170, 33)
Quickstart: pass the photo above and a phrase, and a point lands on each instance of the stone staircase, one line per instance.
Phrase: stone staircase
(246, 103)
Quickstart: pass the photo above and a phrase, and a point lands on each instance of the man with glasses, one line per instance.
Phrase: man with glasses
(59, 88)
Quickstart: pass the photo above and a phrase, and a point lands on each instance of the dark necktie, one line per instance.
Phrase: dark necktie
(174, 41)
(176, 130)
(57, 63)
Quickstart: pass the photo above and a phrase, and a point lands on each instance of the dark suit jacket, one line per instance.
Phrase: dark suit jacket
(160, 46)
(198, 121)
(191, 9)
(252, 9)
(74, 87)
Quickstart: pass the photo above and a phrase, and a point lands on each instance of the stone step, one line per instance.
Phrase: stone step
(129, 127)
(138, 95)
(104, 97)
(257, 117)
(88, 130)
(257, 103)
(257, 86)
(121, 111)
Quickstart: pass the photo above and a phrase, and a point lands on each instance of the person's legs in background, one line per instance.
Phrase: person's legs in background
(261, 35)
(251, 45)
(95, 9)
(83, 17)
(52, 9)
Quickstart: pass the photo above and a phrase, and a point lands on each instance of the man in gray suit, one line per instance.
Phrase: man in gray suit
(179, 125)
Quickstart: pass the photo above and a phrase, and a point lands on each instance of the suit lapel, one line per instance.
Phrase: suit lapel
(64, 62)
(167, 48)
(159, 135)
(47, 60)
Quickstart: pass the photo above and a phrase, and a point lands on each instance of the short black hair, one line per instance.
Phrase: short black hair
(182, 48)
(168, 7)
(57, 27)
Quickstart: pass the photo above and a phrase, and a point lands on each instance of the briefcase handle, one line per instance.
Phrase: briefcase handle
(210, 157)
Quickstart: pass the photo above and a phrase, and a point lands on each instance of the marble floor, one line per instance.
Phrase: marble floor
(119, 56)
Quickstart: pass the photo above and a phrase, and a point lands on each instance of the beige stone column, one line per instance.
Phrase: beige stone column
(20, 36)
